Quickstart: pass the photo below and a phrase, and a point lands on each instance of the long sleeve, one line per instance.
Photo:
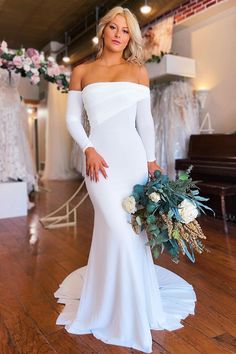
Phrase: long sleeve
(145, 127)
(74, 119)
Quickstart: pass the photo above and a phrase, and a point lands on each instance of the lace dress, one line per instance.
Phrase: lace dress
(16, 161)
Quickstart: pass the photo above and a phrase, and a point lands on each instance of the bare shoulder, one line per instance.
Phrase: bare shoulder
(141, 74)
(78, 73)
(76, 77)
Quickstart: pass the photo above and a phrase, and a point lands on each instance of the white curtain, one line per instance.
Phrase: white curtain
(58, 141)
(176, 117)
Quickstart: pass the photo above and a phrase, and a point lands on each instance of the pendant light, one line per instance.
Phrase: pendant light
(95, 39)
(66, 58)
(145, 9)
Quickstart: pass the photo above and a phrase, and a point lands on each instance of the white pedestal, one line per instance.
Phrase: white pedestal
(13, 199)
(172, 67)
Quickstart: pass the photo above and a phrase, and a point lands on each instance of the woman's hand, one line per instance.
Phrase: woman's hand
(152, 167)
(95, 163)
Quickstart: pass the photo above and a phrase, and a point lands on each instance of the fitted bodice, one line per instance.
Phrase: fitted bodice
(103, 100)
(116, 111)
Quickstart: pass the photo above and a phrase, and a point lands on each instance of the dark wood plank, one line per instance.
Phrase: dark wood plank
(7, 344)
(22, 329)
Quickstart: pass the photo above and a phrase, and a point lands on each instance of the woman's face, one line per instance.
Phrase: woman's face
(116, 34)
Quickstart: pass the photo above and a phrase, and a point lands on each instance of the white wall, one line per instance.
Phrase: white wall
(27, 90)
(209, 37)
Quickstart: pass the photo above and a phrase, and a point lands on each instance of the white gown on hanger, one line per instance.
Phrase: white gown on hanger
(120, 295)
(16, 162)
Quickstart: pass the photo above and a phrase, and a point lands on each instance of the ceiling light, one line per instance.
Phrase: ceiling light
(30, 110)
(66, 59)
(145, 9)
(95, 40)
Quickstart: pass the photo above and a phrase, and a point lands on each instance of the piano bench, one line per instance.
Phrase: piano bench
(222, 190)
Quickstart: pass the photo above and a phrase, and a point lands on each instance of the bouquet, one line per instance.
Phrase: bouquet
(29, 63)
(167, 211)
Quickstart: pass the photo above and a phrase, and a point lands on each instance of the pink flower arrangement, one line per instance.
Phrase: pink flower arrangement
(36, 60)
(31, 52)
(53, 70)
(32, 64)
(35, 79)
(17, 60)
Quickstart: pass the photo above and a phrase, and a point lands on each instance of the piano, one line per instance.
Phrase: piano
(213, 157)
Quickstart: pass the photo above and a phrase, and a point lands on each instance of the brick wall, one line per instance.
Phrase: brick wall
(189, 8)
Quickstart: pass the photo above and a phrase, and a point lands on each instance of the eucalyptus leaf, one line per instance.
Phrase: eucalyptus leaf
(136, 196)
(183, 176)
(155, 252)
(152, 227)
(151, 207)
(138, 188)
(201, 198)
(151, 219)
(157, 174)
(156, 232)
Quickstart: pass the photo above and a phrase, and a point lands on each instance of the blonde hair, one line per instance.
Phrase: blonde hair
(134, 50)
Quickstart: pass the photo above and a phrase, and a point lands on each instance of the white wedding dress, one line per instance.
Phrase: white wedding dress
(16, 161)
(120, 295)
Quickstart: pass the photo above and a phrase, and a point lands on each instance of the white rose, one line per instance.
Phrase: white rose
(34, 71)
(188, 211)
(129, 205)
(26, 67)
(155, 197)
(26, 64)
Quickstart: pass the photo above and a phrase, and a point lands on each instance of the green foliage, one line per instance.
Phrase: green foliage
(153, 216)
(151, 206)
(176, 234)
(151, 219)
(157, 58)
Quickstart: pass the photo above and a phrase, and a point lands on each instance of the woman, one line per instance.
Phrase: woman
(120, 289)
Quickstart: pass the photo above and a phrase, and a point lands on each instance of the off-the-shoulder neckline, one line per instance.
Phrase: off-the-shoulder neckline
(111, 82)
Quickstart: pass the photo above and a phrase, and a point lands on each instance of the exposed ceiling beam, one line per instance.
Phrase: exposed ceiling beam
(82, 46)
(36, 23)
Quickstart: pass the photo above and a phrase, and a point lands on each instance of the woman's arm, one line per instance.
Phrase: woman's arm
(145, 124)
(94, 161)
(75, 111)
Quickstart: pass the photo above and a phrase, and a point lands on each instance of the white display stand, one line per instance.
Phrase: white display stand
(172, 67)
(13, 199)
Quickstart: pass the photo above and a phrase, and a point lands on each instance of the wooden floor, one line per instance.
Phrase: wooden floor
(29, 275)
